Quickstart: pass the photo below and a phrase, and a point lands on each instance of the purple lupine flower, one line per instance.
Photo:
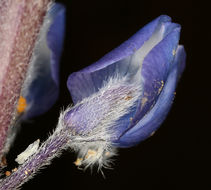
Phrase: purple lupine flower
(124, 97)
(41, 86)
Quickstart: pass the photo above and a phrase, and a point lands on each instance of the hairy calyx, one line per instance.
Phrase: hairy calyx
(92, 122)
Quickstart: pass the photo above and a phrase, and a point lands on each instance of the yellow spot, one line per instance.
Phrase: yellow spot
(21, 104)
(173, 52)
(78, 161)
(7, 173)
(14, 170)
(131, 119)
(161, 87)
(90, 153)
(26, 172)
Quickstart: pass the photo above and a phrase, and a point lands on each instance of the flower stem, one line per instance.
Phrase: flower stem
(47, 151)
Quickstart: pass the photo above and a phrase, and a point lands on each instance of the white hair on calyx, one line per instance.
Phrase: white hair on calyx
(92, 121)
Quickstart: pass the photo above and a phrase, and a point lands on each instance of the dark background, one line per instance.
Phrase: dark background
(178, 155)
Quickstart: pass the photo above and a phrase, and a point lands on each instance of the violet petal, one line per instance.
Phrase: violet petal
(42, 87)
(152, 120)
(88, 81)
(155, 69)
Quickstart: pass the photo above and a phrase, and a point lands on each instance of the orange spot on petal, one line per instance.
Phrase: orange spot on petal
(21, 104)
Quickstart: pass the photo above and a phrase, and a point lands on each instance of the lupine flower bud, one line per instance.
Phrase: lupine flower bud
(123, 98)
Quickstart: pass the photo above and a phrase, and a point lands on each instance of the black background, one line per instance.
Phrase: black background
(178, 155)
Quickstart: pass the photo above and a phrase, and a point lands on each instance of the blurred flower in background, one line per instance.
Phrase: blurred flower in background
(41, 87)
